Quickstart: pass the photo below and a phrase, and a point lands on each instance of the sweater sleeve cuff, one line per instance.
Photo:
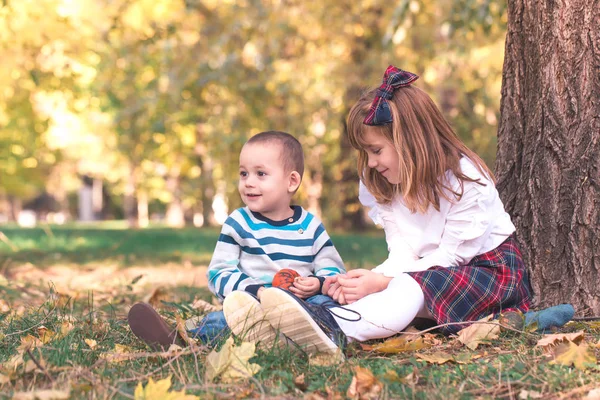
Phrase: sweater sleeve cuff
(321, 281)
(253, 289)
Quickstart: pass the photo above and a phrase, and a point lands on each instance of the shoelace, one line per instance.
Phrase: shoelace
(328, 305)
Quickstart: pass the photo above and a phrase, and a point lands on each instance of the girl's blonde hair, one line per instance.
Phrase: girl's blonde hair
(427, 148)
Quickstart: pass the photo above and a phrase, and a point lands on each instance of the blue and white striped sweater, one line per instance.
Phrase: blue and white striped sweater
(251, 249)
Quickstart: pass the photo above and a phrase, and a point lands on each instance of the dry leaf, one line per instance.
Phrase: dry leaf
(391, 376)
(154, 298)
(364, 385)
(398, 345)
(326, 359)
(120, 353)
(529, 394)
(43, 395)
(91, 343)
(464, 358)
(4, 379)
(205, 306)
(29, 342)
(593, 394)
(300, 382)
(181, 329)
(411, 379)
(478, 332)
(159, 390)
(231, 362)
(547, 340)
(439, 357)
(568, 353)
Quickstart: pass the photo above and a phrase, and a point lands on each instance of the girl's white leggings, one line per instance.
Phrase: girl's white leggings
(385, 313)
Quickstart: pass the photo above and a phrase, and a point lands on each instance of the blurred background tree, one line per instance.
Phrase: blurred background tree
(137, 109)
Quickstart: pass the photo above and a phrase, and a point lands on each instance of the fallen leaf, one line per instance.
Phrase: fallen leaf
(120, 353)
(593, 394)
(205, 306)
(231, 362)
(4, 379)
(29, 342)
(547, 340)
(391, 376)
(438, 357)
(478, 332)
(159, 390)
(569, 353)
(43, 395)
(326, 359)
(300, 382)
(155, 297)
(529, 394)
(364, 385)
(399, 345)
(92, 344)
(464, 358)
(411, 379)
(181, 329)
(411, 333)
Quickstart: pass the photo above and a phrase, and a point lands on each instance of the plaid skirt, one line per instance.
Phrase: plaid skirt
(491, 282)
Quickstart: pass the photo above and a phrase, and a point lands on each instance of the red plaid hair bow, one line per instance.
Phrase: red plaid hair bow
(394, 78)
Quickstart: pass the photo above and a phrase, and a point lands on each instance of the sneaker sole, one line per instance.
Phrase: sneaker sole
(246, 318)
(291, 319)
(149, 326)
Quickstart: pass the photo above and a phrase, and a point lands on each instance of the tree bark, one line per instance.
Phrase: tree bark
(548, 162)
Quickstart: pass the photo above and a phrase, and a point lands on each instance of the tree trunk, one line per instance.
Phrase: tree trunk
(548, 163)
(130, 206)
(207, 185)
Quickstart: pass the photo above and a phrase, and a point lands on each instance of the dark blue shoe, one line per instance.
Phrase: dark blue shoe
(311, 327)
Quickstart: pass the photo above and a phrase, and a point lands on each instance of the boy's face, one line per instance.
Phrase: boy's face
(265, 186)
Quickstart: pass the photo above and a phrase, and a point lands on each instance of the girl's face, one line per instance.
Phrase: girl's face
(382, 155)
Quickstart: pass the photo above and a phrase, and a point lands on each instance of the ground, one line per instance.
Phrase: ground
(65, 293)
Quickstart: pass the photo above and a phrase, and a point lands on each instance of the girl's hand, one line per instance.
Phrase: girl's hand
(332, 288)
(329, 282)
(359, 283)
(305, 287)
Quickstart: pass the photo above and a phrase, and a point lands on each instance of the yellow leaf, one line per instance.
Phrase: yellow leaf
(43, 395)
(231, 362)
(439, 357)
(364, 385)
(120, 353)
(569, 353)
(159, 390)
(29, 342)
(398, 345)
(326, 359)
(547, 340)
(91, 343)
(478, 332)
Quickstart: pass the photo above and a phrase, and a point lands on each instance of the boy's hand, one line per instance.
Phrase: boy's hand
(305, 287)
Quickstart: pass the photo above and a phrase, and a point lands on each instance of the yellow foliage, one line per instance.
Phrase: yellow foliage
(159, 390)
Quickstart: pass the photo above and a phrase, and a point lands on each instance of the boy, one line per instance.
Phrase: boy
(257, 241)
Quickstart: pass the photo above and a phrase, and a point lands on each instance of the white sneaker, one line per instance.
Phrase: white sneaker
(246, 318)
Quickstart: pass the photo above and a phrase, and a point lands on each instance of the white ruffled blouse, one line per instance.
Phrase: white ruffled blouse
(452, 236)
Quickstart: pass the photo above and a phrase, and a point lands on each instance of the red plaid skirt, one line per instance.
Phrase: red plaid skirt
(491, 282)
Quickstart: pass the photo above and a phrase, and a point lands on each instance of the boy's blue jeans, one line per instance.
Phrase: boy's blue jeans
(214, 327)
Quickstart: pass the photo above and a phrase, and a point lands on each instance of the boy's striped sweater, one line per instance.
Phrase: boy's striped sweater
(251, 249)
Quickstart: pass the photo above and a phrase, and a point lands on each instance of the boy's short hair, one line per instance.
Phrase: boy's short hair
(292, 155)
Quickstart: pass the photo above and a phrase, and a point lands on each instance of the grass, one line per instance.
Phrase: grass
(51, 284)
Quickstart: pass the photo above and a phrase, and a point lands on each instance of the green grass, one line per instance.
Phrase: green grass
(507, 367)
(88, 244)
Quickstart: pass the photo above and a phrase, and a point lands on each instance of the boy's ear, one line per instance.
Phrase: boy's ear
(294, 181)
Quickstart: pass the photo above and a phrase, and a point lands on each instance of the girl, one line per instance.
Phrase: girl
(453, 255)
